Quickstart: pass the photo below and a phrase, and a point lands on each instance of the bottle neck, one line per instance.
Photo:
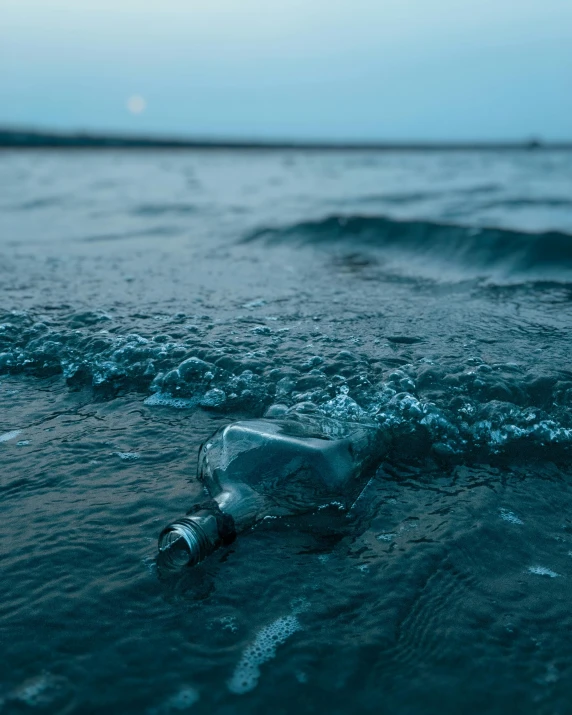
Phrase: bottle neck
(189, 540)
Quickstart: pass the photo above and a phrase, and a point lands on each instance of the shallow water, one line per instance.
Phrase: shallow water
(148, 298)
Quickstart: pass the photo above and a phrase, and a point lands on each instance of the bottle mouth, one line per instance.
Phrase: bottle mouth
(183, 543)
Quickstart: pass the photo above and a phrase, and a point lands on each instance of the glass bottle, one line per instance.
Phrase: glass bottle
(252, 469)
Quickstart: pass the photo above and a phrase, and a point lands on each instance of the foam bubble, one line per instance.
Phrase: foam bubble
(128, 456)
(213, 398)
(228, 623)
(510, 516)
(164, 400)
(344, 407)
(300, 605)
(247, 672)
(428, 405)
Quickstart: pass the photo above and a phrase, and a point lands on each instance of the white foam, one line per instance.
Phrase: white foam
(344, 407)
(258, 303)
(337, 504)
(213, 398)
(299, 605)
(247, 672)
(7, 436)
(128, 456)
(542, 571)
(510, 516)
(386, 537)
(41, 691)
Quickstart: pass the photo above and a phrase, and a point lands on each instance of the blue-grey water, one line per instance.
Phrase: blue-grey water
(148, 298)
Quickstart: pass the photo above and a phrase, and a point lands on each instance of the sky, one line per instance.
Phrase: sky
(438, 70)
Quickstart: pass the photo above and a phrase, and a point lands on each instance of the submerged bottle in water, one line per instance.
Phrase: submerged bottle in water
(271, 467)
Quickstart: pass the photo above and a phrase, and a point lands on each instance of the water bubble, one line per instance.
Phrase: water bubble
(164, 400)
(213, 398)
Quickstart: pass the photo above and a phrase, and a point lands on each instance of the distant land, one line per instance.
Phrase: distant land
(15, 138)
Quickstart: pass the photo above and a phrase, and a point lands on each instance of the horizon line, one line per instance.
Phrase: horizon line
(12, 137)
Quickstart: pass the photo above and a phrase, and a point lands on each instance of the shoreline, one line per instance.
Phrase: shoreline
(22, 139)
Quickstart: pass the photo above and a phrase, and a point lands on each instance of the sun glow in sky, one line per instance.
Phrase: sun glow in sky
(345, 69)
(136, 104)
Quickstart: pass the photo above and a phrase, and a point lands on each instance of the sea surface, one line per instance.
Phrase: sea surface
(147, 298)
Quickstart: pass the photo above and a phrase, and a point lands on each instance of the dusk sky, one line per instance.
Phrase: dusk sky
(316, 69)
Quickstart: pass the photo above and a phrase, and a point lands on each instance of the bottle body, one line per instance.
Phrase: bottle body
(280, 467)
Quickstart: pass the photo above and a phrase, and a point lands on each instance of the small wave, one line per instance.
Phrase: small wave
(44, 202)
(478, 249)
(153, 232)
(399, 198)
(180, 209)
(404, 198)
(551, 202)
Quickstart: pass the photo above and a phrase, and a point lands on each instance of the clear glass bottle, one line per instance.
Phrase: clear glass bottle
(271, 467)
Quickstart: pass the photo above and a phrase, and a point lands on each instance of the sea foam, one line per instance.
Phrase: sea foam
(247, 672)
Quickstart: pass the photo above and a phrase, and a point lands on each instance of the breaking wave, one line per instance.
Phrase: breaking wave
(478, 249)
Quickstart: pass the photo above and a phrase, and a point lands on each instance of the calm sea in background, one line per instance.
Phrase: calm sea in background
(429, 291)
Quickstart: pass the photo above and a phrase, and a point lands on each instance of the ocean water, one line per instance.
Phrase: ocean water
(147, 298)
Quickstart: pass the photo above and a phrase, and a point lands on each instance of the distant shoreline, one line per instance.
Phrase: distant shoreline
(36, 139)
